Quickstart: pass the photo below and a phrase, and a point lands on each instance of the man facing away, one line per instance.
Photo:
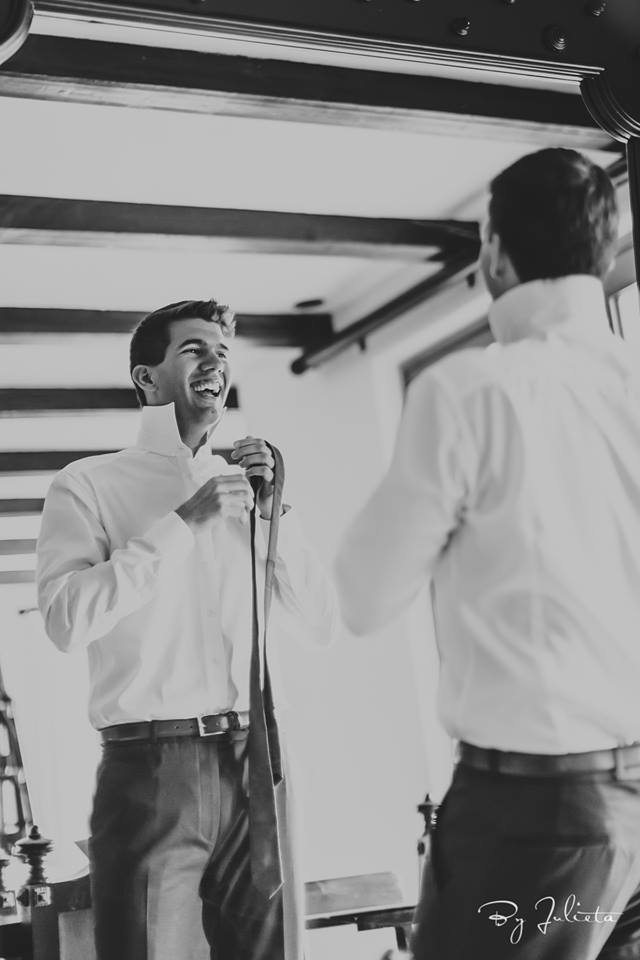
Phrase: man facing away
(144, 560)
(515, 488)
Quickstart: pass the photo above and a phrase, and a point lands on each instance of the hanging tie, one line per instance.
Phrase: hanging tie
(265, 766)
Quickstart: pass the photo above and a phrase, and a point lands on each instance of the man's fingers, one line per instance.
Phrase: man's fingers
(265, 473)
(254, 459)
(242, 448)
(232, 481)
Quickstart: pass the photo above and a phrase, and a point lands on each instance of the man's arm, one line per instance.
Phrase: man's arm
(302, 584)
(389, 551)
(84, 588)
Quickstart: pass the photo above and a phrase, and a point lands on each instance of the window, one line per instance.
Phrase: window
(625, 314)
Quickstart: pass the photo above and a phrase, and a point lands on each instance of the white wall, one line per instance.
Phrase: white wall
(365, 735)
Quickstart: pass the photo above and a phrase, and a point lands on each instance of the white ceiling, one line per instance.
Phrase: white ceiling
(152, 156)
(139, 155)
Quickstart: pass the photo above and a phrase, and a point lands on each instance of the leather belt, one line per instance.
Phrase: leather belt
(625, 761)
(213, 725)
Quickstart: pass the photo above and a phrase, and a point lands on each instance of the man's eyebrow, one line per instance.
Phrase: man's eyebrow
(202, 343)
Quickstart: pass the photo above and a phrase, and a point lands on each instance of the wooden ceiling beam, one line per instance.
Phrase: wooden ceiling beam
(13, 548)
(456, 269)
(17, 576)
(51, 400)
(30, 461)
(269, 329)
(21, 506)
(101, 223)
(90, 71)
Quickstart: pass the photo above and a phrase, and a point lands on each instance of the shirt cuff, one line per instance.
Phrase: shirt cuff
(171, 537)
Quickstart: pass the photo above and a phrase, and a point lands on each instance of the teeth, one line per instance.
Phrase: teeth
(213, 385)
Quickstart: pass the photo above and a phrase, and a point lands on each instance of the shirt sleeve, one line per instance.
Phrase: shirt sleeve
(84, 588)
(389, 551)
(303, 586)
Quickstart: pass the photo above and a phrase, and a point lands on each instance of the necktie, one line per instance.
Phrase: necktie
(265, 766)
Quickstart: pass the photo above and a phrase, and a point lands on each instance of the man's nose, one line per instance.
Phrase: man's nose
(212, 362)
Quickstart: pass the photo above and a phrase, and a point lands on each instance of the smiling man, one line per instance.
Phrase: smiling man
(144, 559)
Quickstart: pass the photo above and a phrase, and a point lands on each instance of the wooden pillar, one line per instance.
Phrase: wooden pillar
(633, 162)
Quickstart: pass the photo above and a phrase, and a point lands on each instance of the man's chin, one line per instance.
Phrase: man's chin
(208, 413)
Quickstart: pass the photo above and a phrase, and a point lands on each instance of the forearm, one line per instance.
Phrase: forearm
(81, 602)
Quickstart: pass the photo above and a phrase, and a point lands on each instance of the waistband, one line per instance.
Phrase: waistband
(623, 761)
(212, 725)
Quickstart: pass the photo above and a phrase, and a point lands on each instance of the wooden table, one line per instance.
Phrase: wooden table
(369, 902)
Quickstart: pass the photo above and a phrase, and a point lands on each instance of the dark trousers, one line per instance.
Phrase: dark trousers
(169, 850)
(519, 866)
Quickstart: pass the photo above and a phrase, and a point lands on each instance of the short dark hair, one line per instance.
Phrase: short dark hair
(556, 214)
(151, 337)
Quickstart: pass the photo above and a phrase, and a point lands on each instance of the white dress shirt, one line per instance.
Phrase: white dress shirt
(515, 487)
(165, 615)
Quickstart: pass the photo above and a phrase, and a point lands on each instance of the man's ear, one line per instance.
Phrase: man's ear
(495, 256)
(499, 263)
(144, 378)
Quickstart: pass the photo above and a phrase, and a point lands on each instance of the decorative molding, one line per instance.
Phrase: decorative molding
(15, 21)
(607, 109)
(227, 28)
(118, 74)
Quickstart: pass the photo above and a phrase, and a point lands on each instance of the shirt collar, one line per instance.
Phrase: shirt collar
(534, 309)
(158, 433)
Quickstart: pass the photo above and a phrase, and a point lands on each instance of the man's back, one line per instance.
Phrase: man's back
(533, 449)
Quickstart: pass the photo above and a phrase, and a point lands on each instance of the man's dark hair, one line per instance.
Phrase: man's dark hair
(556, 214)
(151, 337)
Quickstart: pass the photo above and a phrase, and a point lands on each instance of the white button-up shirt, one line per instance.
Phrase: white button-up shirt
(165, 615)
(515, 486)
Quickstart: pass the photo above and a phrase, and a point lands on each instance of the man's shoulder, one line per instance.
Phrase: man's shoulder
(464, 371)
(98, 465)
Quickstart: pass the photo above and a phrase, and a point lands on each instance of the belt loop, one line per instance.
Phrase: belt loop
(494, 761)
(621, 770)
(153, 731)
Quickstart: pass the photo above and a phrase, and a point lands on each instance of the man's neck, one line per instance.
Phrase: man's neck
(194, 435)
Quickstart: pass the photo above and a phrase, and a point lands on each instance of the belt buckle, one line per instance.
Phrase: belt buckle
(233, 720)
(202, 730)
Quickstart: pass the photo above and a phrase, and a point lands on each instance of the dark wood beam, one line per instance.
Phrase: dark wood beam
(277, 330)
(89, 71)
(455, 270)
(101, 223)
(12, 548)
(29, 461)
(23, 505)
(17, 576)
(51, 400)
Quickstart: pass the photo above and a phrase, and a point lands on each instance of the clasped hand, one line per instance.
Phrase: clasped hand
(231, 495)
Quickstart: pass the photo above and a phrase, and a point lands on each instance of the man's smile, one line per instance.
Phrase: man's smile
(210, 387)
